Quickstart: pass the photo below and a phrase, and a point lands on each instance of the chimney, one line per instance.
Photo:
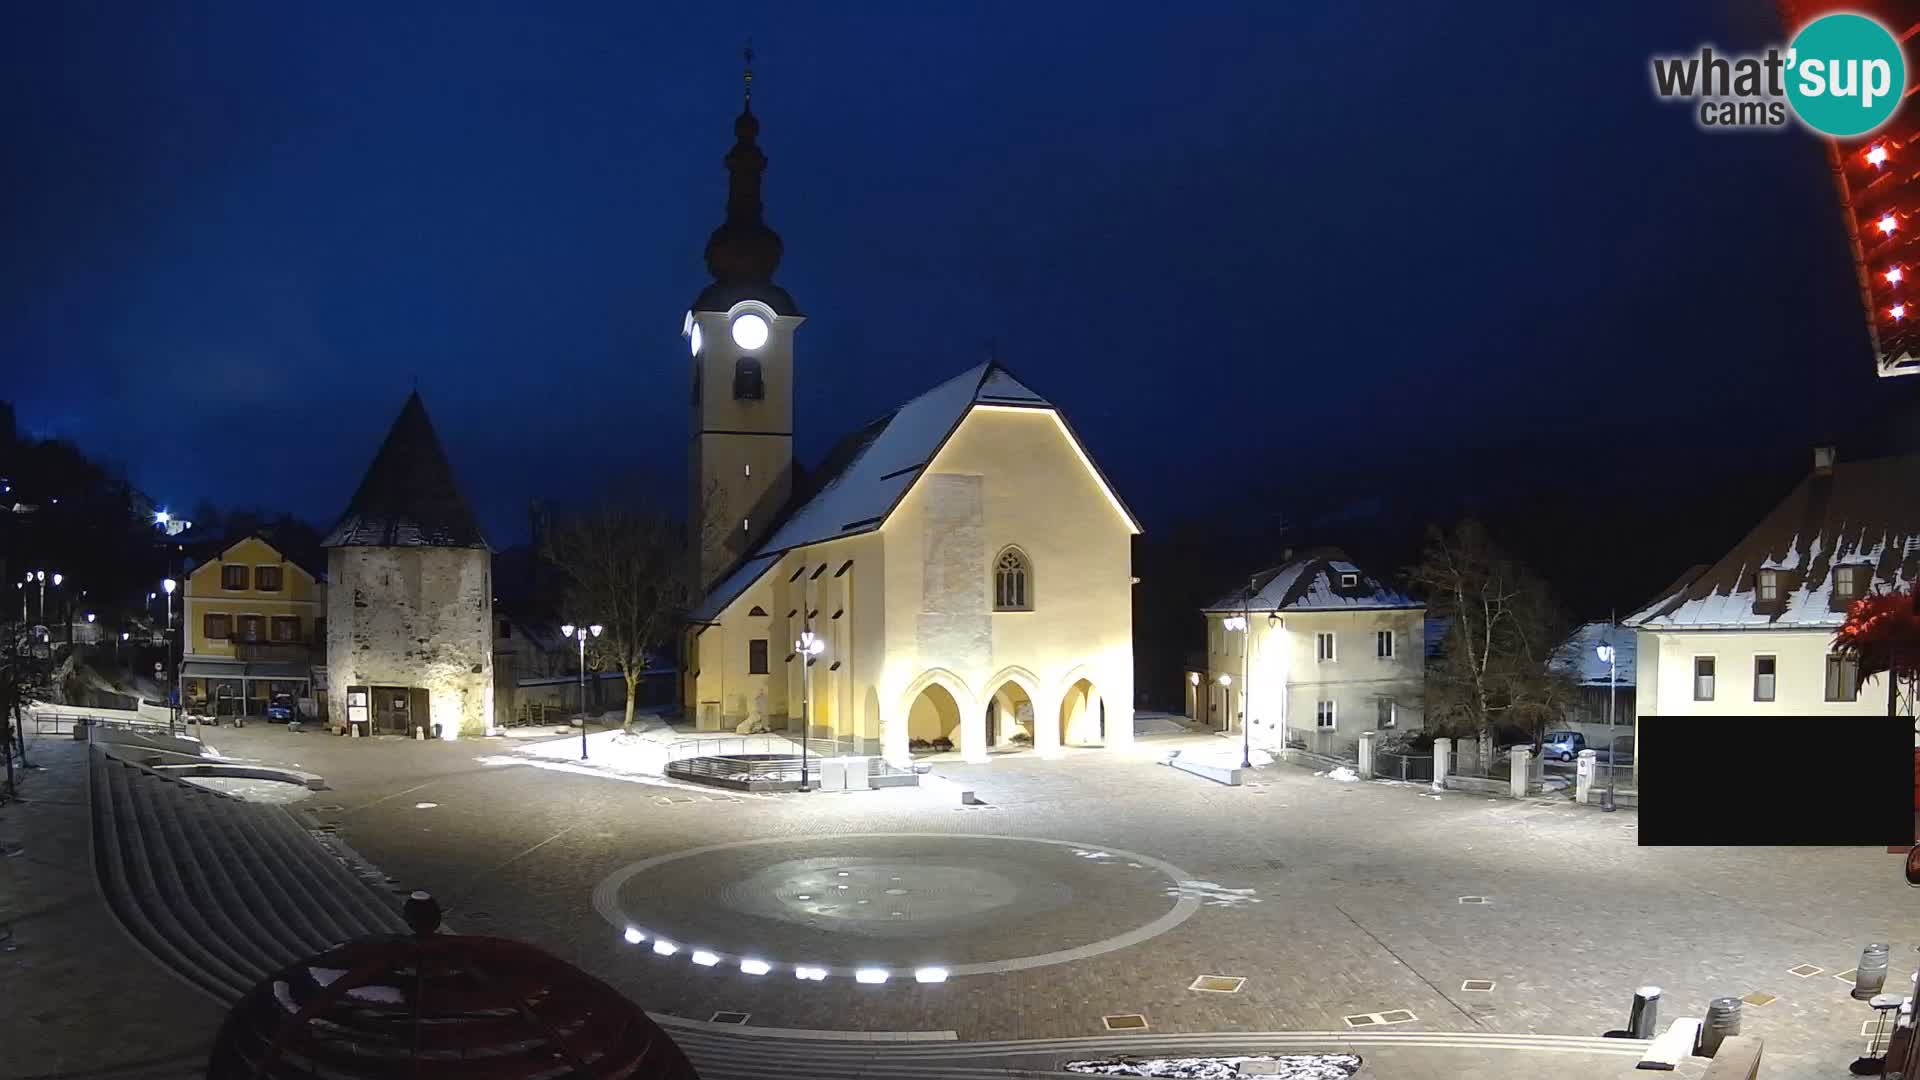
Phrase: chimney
(1823, 460)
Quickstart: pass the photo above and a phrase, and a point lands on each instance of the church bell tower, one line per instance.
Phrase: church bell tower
(740, 332)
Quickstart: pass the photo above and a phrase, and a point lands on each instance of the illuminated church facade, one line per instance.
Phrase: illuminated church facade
(960, 566)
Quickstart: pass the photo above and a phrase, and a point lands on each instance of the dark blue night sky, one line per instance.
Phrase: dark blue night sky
(1231, 241)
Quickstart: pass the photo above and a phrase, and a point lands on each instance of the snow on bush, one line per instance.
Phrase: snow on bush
(1288, 1067)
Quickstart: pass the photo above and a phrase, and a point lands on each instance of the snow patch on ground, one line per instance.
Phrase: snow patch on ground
(1212, 893)
(1287, 1067)
(1344, 774)
(1225, 757)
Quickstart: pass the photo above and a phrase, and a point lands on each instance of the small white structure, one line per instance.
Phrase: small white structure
(1753, 633)
(1320, 650)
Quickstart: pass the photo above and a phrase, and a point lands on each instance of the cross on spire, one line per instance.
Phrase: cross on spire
(746, 54)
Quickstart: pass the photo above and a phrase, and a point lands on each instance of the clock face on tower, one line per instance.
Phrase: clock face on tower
(749, 331)
(693, 338)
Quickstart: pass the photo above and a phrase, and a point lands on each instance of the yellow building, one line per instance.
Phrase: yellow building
(253, 620)
(960, 566)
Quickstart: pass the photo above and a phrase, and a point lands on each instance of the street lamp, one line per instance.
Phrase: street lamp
(173, 713)
(1607, 655)
(809, 646)
(582, 633)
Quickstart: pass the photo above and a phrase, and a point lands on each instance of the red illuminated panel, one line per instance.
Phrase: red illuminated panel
(1879, 180)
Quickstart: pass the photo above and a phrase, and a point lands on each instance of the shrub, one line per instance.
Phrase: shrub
(943, 743)
(919, 744)
(1021, 738)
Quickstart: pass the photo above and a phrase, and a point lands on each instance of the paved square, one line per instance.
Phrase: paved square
(1333, 900)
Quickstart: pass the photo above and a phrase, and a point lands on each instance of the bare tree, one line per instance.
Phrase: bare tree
(1504, 627)
(625, 568)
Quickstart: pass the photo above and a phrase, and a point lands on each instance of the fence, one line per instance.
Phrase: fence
(1411, 767)
(730, 745)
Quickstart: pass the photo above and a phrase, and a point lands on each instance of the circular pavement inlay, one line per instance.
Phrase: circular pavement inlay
(967, 903)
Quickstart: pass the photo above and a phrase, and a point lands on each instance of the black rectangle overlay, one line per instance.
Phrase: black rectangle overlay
(1746, 781)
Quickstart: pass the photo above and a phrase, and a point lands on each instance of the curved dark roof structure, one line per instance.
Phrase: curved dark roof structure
(428, 1006)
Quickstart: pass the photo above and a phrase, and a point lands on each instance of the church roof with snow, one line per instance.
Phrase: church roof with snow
(1315, 581)
(409, 497)
(1861, 513)
(867, 474)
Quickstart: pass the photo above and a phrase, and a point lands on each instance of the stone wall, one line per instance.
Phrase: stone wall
(420, 617)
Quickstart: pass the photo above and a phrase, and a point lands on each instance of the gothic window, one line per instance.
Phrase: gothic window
(1012, 581)
(747, 384)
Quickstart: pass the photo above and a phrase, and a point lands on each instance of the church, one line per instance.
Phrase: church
(956, 572)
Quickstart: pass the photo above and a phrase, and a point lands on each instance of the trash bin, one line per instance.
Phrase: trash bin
(1723, 1019)
(1871, 976)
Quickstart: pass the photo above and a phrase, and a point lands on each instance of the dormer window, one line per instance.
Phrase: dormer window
(747, 383)
(1849, 582)
(1349, 581)
(1767, 588)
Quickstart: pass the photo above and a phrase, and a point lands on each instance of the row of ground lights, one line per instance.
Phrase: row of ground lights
(872, 976)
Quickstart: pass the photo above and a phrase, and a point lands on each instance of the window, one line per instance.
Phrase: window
(233, 577)
(747, 383)
(285, 628)
(250, 627)
(1383, 644)
(757, 656)
(1765, 681)
(1849, 582)
(1843, 678)
(506, 628)
(1389, 712)
(1767, 590)
(1323, 646)
(1703, 678)
(1012, 582)
(266, 578)
(1323, 715)
(214, 627)
(1348, 581)
(320, 631)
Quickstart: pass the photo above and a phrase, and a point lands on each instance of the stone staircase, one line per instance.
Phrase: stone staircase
(220, 891)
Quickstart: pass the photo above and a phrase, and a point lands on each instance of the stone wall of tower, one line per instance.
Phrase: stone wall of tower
(416, 617)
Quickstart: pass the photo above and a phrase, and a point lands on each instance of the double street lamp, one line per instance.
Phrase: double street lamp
(582, 633)
(808, 647)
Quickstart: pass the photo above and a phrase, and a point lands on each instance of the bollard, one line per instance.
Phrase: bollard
(1646, 1013)
(1723, 1019)
(1871, 976)
(420, 734)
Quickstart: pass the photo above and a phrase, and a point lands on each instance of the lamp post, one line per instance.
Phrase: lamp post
(1241, 623)
(1606, 653)
(173, 698)
(1226, 703)
(581, 633)
(809, 646)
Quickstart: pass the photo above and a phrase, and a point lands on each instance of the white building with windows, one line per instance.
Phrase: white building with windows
(1753, 633)
(965, 567)
(1317, 648)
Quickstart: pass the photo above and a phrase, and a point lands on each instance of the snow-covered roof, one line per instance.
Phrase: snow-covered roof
(1312, 582)
(871, 470)
(1578, 656)
(1863, 513)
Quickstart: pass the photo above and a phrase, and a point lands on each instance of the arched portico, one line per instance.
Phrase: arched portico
(940, 699)
(1016, 701)
(1082, 712)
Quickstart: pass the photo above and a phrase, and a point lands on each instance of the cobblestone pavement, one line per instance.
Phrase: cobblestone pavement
(1330, 899)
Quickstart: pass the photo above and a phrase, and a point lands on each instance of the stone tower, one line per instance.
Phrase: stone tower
(410, 595)
(740, 331)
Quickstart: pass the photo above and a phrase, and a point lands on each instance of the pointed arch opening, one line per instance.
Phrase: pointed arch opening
(1012, 580)
(1083, 715)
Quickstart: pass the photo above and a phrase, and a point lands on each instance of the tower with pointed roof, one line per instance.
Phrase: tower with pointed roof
(740, 332)
(410, 597)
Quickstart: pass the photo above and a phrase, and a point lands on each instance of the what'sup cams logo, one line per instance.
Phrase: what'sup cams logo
(1842, 75)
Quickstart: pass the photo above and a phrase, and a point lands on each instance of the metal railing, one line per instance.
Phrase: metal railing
(64, 723)
(770, 743)
(1410, 767)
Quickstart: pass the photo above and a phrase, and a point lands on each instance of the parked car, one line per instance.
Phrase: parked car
(281, 708)
(1562, 745)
